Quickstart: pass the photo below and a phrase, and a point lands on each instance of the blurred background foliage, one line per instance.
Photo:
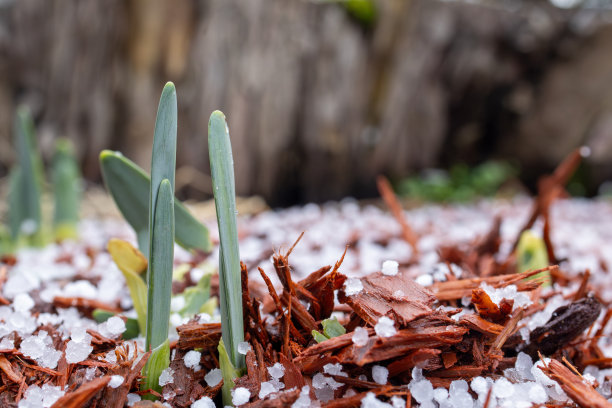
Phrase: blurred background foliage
(321, 95)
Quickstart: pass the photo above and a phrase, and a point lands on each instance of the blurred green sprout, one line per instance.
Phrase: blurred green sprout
(26, 185)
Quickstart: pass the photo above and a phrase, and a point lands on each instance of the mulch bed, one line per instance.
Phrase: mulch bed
(486, 327)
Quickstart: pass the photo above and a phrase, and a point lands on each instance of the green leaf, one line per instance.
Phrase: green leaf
(158, 362)
(131, 326)
(178, 273)
(332, 328)
(531, 254)
(16, 211)
(66, 190)
(161, 256)
(6, 243)
(132, 264)
(196, 296)
(230, 287)
(209, 306)
(229, 373)
(129, 186)
(24, 211)
(362, 10)
(318, 336)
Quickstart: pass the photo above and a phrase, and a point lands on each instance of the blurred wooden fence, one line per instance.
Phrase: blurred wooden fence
(318, 104)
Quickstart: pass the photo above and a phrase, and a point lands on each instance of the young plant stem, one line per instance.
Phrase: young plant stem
(230, 288)
(161, 237)
(66, 190)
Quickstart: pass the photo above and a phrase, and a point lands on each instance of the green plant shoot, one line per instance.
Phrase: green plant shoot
(161, 238)
(531, 255)
(129, 185)
(66, 190)
(230, 287)
(196, 296)
(331, 328)
(25, 183)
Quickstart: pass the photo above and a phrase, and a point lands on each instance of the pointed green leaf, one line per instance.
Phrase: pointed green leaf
(128, 184)
(158, 362)
(66, 190)
(161, 257)
(230, 286)
(163, 160)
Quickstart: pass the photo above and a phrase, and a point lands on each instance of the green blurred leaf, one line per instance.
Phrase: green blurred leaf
(230, 286)
(332, 328)
(131, 326)
(196, 296)
(6, 243)
(158, 362)
(210, 306)
(460, 184)
(66, 190)
(178, 273)
(132, 264)
(362, 10)
(25, 184)
(129, 186)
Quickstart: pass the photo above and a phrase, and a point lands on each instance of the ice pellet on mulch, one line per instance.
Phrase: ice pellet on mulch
(116, 381)
(360, 336)
(213, 377)
(166, 377)
(352, 286)
(244, 347)
(192, 358)
(240, 396)
(41, 397)
(204, 402)
(380, 374)
(390, 268)
(385, 327)
(276, 371)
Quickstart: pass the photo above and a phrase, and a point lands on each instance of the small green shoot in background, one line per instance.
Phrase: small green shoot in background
(230, 286)
(460, 184)
(66, 179)
(531, 254)
(25, 185)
